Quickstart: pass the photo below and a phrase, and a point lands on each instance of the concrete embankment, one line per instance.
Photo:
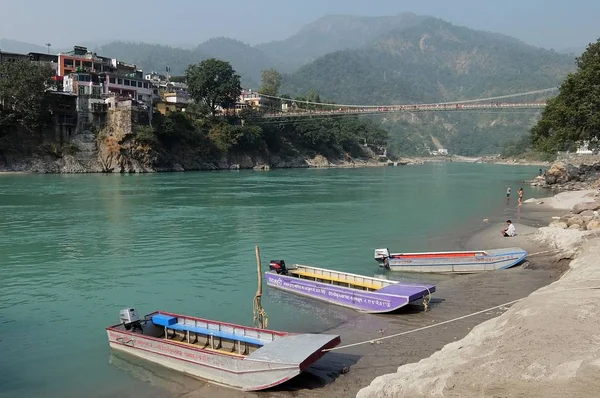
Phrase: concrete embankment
(546, 345)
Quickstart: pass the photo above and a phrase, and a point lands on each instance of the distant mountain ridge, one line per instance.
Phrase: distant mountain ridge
(430, 62)
(333, 33)
(15, 46)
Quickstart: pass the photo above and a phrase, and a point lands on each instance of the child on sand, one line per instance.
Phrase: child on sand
(509, 230)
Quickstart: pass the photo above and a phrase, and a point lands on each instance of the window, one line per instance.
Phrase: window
(81, 90)
(87, 64)
(145, 85)
(127, 82)
(140, 97)
(139, 84)
(68, 63)
(120, 81)
(112, 80)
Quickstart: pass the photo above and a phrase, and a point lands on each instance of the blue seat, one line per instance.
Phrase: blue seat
(162, 320)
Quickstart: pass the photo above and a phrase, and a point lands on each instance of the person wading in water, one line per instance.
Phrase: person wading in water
(520, 196)
(507, 195)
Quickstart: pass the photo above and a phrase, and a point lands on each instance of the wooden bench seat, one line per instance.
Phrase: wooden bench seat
(333, 279)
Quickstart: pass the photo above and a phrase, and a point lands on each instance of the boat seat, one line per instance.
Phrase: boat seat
(166, 321)
(333, 279)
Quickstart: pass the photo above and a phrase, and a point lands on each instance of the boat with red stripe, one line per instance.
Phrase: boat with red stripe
(451, 261)
(236, 356)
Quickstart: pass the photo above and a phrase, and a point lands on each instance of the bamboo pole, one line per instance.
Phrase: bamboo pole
(260, 316)
(259, 269)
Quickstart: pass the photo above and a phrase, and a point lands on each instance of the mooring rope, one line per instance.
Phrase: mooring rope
(261, 320)
(372, 341)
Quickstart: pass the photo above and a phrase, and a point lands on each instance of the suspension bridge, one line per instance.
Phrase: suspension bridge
(310, 109)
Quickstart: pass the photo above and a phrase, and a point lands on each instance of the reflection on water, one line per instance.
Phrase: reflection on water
(165, 381)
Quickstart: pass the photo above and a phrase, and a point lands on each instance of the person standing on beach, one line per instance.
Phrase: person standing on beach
(520, 196)
(507, 195)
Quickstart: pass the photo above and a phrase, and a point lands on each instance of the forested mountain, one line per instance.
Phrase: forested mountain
(430, 62)
(436, 61)
(334, 33)
(246, 60)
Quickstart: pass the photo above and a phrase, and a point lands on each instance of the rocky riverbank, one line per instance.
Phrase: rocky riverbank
(90, 157)
(545, 345)
(567, 176)
(127, 163)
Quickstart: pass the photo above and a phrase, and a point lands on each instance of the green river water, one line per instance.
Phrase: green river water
(75, 249)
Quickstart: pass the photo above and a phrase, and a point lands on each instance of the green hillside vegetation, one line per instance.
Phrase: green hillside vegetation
(572, 116)
(431, 62)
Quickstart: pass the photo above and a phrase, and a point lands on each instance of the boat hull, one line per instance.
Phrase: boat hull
(387, 299)
(493, 261)
(269, 366)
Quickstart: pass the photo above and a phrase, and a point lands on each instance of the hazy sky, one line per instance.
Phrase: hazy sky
(548, 23)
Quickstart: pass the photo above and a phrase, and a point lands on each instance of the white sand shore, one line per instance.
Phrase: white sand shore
(566, 200)
(546, 345)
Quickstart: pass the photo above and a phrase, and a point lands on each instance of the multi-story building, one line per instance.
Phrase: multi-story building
(80, 59)
(133, 86)
(119, 78)
(255, 100)
(12, 57)
(175, 101)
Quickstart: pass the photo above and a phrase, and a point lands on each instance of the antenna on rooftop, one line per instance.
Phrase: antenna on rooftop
(48, 45)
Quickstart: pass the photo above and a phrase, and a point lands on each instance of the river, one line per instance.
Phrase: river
(75, 249)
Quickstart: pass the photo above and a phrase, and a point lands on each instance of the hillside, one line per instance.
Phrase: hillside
(436, 61)
(333, 33)
(15, 46)
(246, 60)
(433, 61)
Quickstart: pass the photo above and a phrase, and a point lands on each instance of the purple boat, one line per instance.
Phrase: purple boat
(362, 293)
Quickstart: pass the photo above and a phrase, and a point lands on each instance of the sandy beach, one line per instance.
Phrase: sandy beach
(543, 346)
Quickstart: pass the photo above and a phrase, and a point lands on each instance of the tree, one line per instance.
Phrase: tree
(23, 98)
(270, 82)
(214, 83)
(177, 79)
(572, 116)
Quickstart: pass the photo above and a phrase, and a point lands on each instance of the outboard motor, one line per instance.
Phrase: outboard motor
(383, 256)
(278, 266)
(130, 319)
